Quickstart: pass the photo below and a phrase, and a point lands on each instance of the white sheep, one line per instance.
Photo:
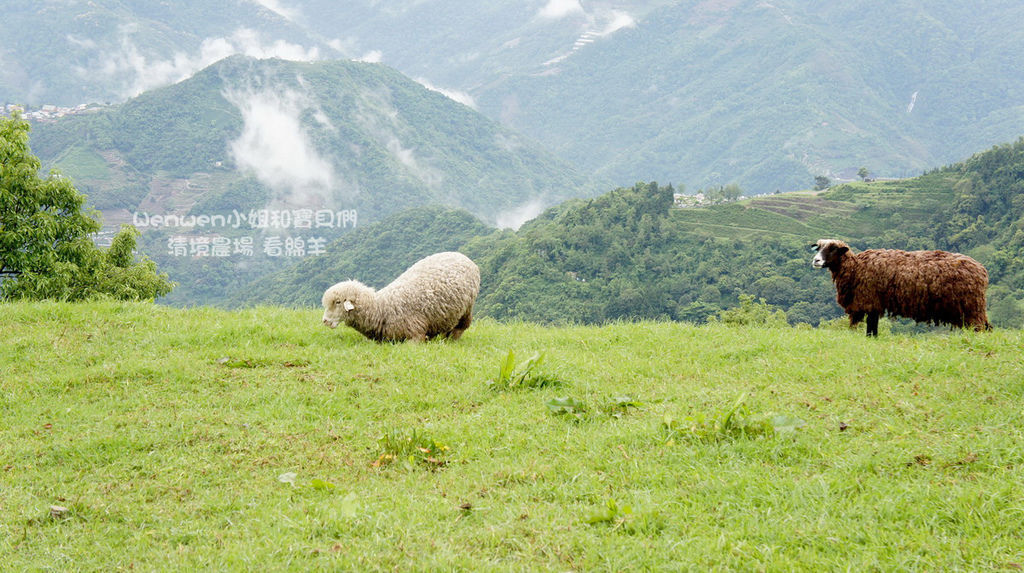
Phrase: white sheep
(433, 297)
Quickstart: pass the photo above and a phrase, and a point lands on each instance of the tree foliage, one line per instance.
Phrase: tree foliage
(627, 255)
(46, 245)
(721, 193)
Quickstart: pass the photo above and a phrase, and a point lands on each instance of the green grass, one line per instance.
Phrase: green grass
(179, 439)
(84, 163)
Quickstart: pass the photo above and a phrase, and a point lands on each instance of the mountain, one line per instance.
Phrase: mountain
(766, 95)
(66, 53)
(634, 253)
(335, 133)
(769, 95)
(71, 52)
(247, 138)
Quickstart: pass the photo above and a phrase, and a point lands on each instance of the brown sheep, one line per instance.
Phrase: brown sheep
(927, 286)
(433, 297)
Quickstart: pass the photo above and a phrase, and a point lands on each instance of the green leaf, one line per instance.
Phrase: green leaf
(732, 412)
(507, 367)
(321, 485)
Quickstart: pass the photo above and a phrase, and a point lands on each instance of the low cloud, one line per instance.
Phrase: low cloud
(378, 117)
(139, 73)
(615, 20)
(371, 57)
(430, 176)
(454, 95)
(276, 147)
(515, 217)
(349, 47)
(558, 9)
(81, 43)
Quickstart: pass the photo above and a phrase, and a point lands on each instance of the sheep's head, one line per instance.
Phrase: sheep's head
(343, 301)
(829, 252)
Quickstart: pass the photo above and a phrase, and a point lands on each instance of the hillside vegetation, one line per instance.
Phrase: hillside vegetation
(142, 437)
(629, 254)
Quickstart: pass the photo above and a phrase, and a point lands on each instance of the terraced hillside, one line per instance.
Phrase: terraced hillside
(791, 215)
(802, 207)
(855, 211)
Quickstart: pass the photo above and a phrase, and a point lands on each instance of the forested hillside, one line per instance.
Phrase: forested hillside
(629, 254)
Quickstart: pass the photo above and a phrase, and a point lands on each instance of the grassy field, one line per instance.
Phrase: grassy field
(148, 438)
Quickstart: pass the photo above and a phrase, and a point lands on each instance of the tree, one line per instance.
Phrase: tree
(46, 246)
(863, 173)
(732, 192)
(722, 193)
(821, 183)
(756, 313)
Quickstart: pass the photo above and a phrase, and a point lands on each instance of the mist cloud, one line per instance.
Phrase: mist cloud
(276, 148)
(371, 57)
(139, 73)
(379, 118)
(557, 9)
(615, 20)
(454, 95)
(515, 217)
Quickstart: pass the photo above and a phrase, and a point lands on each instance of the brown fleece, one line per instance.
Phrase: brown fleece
(927, 286)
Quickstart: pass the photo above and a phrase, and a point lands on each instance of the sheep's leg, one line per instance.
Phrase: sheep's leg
(872, 323)
(461, 326)
(980, 324)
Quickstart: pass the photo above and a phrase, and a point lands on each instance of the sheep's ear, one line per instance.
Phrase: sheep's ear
(815, 246)
(349, 306)
(842, 250)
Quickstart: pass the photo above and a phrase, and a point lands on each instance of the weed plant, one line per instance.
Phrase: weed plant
(412, 447)
(526, 375)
